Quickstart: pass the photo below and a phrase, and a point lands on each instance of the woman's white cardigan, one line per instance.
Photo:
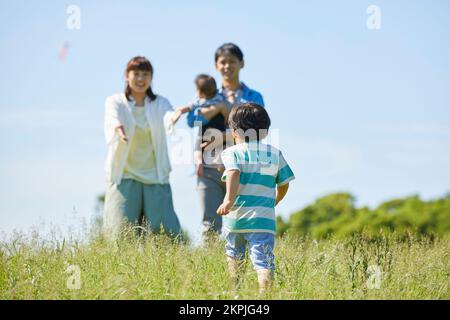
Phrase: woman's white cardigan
(118, 111)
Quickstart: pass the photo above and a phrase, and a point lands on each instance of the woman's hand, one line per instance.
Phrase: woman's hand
(122, 136)
(225, 207)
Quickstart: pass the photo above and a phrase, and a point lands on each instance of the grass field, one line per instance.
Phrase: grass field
(156, 268)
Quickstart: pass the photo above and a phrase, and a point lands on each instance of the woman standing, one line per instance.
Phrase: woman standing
(229, 61)
(138, 165)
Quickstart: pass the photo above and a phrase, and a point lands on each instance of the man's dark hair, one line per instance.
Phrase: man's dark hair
(229, 48)
(249, 117)
(206, 85)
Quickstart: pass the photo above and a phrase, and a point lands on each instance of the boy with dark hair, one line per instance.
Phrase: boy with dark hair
(257, 178)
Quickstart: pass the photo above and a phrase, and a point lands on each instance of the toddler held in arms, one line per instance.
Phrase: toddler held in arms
(207, 104)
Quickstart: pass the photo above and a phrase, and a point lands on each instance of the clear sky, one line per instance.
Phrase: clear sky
(358, 110)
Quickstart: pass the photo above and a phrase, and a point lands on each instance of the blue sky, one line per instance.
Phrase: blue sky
(358, 110)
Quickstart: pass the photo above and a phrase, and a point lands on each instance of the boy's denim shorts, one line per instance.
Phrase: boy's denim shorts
(260, 248)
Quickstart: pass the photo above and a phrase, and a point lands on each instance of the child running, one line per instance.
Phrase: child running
(257, 178)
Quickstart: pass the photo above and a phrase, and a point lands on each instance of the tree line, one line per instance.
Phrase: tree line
(336, 214)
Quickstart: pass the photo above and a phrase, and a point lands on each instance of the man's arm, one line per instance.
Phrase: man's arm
(198, 154)
(211, 111)
(232, 183)
(281, 192)
(227, 137)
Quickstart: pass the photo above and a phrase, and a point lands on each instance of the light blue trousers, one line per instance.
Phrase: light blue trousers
(131, 201)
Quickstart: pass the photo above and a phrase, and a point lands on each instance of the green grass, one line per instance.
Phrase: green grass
(157, 268)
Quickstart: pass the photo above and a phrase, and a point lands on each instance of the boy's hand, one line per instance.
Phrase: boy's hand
(232, 184)
(225, 208)
(122, 136)
(281, 192)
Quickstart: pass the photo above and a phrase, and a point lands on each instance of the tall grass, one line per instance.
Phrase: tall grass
(155, 267)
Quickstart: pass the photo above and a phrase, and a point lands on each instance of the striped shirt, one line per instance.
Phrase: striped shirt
(262, 167)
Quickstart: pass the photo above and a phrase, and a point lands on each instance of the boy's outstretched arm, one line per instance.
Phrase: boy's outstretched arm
(281, 192)
(232, 183)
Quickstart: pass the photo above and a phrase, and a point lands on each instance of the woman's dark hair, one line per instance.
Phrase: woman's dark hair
(206, 85)
(229, 48)
(250, 118)
(143, 64)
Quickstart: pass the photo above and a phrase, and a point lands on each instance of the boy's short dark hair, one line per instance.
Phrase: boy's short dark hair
(249, 117)
(229, 48)
(206, 85)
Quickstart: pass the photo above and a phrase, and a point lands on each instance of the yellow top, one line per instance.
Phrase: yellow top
(141, 165)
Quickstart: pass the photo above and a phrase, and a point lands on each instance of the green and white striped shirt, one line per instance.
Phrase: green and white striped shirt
(262, 167)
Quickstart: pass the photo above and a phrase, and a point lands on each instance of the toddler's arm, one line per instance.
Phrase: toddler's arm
(281, 192)
(232, 183)
(179, 111)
